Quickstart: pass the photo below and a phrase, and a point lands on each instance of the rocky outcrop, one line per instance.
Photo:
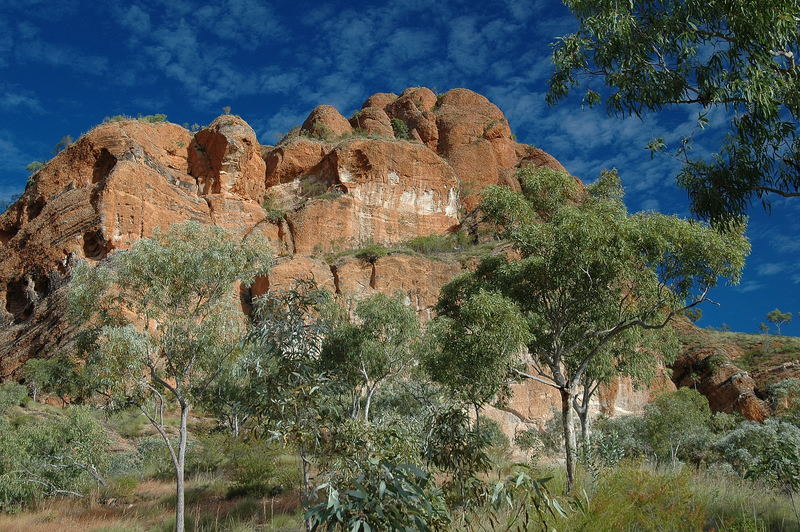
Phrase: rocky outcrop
(373, 121)
(707, 365)
(336, 185)
(225, 158)
(326, 122)
(388, 192)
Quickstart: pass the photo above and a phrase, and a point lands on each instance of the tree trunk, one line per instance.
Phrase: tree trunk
(306, 481)
(180, 505)
(567, 418)
(583, 416)
(370, 392)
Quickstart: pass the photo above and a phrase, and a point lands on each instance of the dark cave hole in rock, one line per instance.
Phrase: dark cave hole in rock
(18, 300)
(7, 233)
(95, 246)
(35, 208)
(103, 165)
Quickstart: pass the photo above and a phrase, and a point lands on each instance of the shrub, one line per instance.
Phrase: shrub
(152, 119)
(400, 129)
(384, 496)
(677, 425)
(11, 394)
(270, 205)
(34, 166)
(40, 458)
(439, 243)
(256, 470)
(318, 131)
(769, 452)
(371, 252)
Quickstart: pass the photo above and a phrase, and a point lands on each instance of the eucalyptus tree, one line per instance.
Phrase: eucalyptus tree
(375, 345)
(584, 274)
(471, 344)
(735, 56)
(778, 318)
(160, 321)
(287, 381)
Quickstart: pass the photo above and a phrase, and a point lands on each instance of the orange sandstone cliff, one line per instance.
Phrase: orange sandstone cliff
(339, 184)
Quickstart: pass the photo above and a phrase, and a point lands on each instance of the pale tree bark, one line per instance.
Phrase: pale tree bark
(570, 444)
(180, 466)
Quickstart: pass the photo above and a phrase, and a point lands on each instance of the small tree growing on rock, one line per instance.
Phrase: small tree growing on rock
(162, 322)
(778, 318)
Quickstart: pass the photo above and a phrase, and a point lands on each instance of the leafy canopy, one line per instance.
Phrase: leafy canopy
(586, 272)
(734, 55)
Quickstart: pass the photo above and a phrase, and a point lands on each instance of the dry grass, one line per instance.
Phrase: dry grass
(152, 510)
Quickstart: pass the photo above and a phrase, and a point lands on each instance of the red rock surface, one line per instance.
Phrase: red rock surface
(123, 180)
(326, 121)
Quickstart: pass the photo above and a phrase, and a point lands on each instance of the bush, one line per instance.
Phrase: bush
(677, 425)
(11, 394)
(371, 252)
(256, 470)
(152, 119)
(270, 205)
(383, 497)
(52, 456)
(769, 452)
(439, 243)
(400, 129)
(34, 166)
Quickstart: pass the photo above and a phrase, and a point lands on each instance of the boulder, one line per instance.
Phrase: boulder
(326, 122)
(225, 157)
(374, 121)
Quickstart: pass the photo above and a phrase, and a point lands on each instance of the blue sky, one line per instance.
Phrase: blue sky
(65, 65)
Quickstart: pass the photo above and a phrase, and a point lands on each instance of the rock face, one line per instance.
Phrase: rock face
(337, 185)
(707, 365)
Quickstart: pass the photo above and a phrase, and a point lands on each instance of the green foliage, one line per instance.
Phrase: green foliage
(512, 500)
(287, 382)
(768, 451)
(39, 458)
(400, 129)
(737, 56)
(151, 119)
(379, 344)
(271, 206)
(161, 320)
(255, 469)
(677, 425)
(784, 396)
(318, 131)
(431, 244)
(65, 142)
(474, 345)
(384, 496)
(34, 166)
(629, 498)
(459, 452)
(57, 375)
(589, 286)
(778, 318)
(371, 252)
(11, 394)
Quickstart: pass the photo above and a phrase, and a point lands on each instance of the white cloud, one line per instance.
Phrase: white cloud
(770, 268)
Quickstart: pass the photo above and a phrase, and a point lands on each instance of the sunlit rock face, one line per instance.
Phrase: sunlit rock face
(401, 167)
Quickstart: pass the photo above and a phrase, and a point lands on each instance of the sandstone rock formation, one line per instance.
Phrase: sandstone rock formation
(338, 185)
